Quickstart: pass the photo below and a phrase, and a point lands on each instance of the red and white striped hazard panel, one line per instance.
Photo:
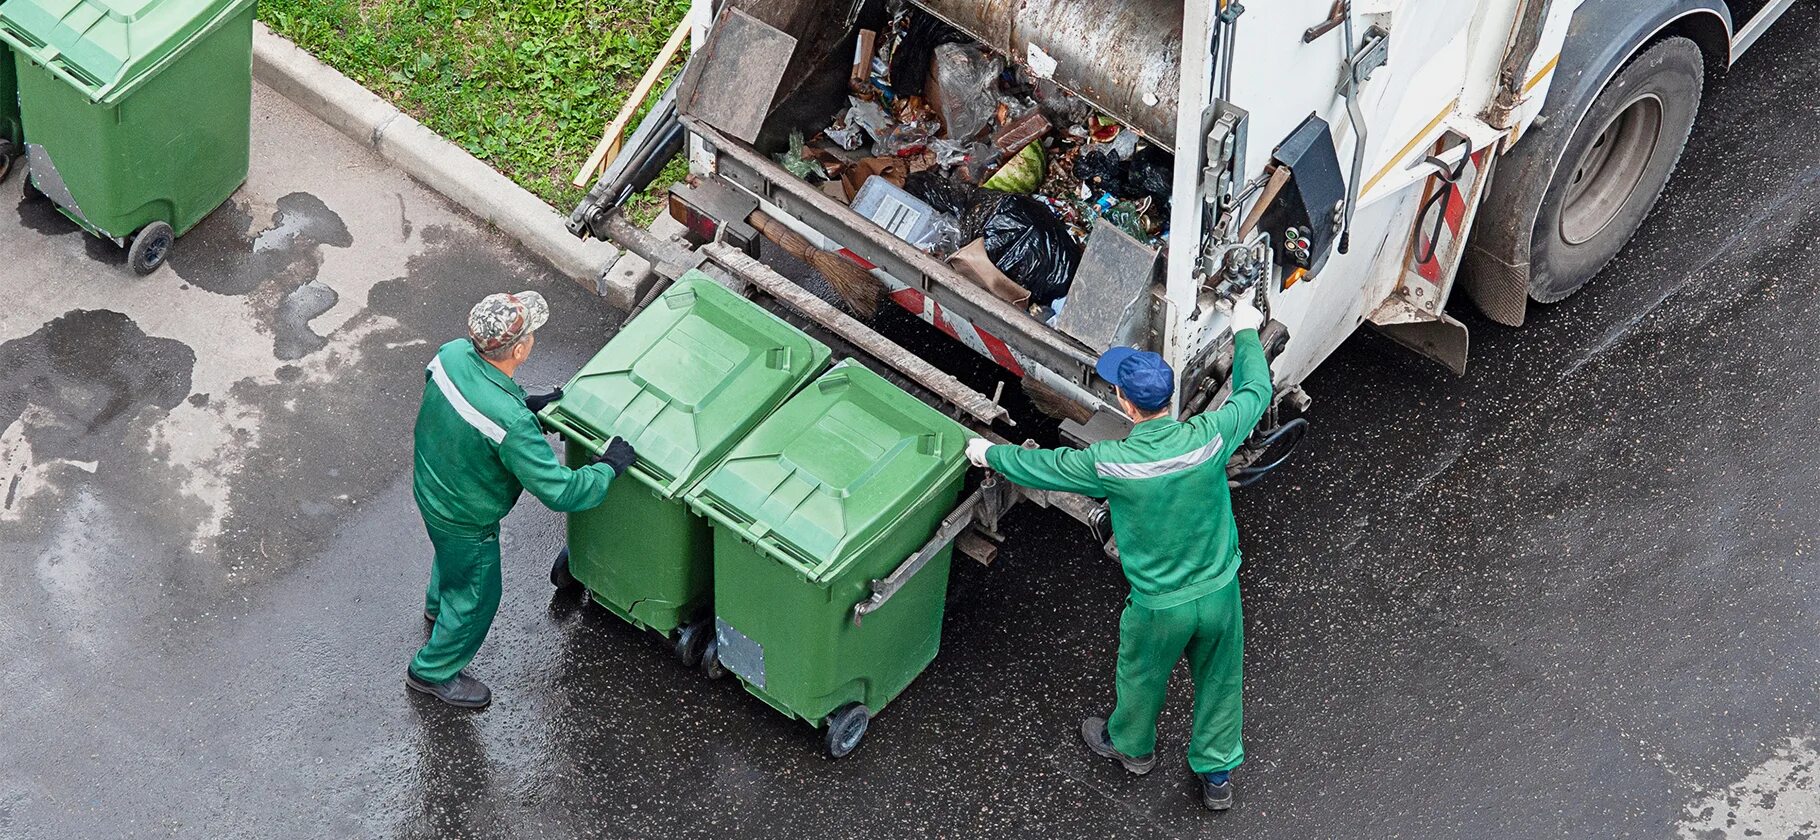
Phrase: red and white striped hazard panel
(1447, 210)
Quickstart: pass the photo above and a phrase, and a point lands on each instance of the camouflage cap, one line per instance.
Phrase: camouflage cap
(501, 319)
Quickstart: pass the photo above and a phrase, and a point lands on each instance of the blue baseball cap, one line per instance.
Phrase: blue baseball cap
(1145, 378)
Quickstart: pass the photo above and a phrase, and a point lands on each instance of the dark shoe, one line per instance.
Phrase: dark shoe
(429, 616)
(1093, 731)
(462, 691)
(1216, 797)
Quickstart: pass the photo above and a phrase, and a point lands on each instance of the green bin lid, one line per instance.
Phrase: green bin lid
(834, 469)
(106, 47)
(686, 379)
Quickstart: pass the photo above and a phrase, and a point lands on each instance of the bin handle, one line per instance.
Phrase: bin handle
(709, 509)
(572, 431)
(882, 589)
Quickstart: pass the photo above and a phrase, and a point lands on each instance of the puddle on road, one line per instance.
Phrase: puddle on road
(294, 338)
(224, 255)
(39, 215)
(277, 266)
(71, 392)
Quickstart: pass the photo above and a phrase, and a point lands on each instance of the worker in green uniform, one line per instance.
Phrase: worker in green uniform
(478, 445)
(1178, 544)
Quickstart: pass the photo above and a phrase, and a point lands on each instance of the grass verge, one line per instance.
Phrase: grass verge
(525, 85)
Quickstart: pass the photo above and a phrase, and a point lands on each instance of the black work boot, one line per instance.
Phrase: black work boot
(1093, 731)
(461, 691)
(1216, 797)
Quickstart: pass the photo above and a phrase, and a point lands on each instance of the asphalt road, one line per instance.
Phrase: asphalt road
(1567, 595)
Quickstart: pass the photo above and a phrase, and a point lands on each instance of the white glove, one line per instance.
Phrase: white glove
(976, 451)
(1245, 316)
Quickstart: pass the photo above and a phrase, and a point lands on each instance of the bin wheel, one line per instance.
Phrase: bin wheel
(845, 729)
(710, 659)
(691, 642)
(6, 160)
(559, 573)
(150, 246)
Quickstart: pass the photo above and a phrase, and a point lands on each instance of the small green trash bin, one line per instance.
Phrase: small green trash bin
(138, 112)
(682, 382)
(12, 139)
(837, 488)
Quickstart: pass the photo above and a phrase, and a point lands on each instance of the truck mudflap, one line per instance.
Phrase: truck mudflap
(1414, 315)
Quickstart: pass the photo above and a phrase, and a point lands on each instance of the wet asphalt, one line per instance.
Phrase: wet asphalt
(1567, 595)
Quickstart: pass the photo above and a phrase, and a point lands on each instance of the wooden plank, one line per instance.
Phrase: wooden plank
(608, 147)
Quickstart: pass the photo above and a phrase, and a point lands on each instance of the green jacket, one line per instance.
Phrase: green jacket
(477, 447)
(1166, 481)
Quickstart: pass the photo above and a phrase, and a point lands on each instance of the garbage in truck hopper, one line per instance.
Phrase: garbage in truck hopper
(952, 147)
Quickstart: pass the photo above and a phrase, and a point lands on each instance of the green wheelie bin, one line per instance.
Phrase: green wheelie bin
(138, 113)
(839, 487)
(682, 382)
(12, 139)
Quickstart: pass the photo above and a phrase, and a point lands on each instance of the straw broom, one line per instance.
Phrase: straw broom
(854, 284)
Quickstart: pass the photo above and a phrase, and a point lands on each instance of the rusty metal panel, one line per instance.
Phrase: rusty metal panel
(1125, 57)
(730, 84)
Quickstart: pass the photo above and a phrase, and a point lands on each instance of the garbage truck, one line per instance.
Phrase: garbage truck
(1345, 163)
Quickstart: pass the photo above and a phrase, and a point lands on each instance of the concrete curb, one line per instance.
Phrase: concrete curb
(440, 165)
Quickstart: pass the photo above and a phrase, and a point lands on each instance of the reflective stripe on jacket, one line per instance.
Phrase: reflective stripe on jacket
(1166, 484)
(477, 447)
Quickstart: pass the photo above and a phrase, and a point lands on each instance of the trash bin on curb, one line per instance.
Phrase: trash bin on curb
(12, 139)
(834, 490)
(682, 382)
(138, 111)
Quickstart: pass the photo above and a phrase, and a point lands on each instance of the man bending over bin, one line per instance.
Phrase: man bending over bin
(1178, 544)
(477, 446)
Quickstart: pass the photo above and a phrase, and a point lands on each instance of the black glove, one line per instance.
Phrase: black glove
(618, 455)
(536, 403)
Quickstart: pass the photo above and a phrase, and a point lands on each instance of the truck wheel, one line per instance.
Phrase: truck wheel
(846, 727)
(150, 246)
(560, 576)
(1614, 166)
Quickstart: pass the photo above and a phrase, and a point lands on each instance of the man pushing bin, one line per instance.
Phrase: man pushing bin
(477, 446)
(1178, 544)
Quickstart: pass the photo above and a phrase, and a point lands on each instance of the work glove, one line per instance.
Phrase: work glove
(537, 403)
(1245, 315)
(618, 455)
(976, 451)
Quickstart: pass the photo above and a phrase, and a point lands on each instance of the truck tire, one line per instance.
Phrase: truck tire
(1614, 167)
(1612, 48)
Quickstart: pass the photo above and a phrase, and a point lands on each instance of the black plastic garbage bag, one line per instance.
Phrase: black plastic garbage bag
(910, 64)
(1025, 241)
(1100, 170)
(945, 194)
(1149, 172)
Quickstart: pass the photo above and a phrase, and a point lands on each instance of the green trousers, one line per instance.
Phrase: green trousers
(463, 595)
(1210, 630)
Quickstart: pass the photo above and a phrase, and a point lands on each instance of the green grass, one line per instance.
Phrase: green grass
(525, 85)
